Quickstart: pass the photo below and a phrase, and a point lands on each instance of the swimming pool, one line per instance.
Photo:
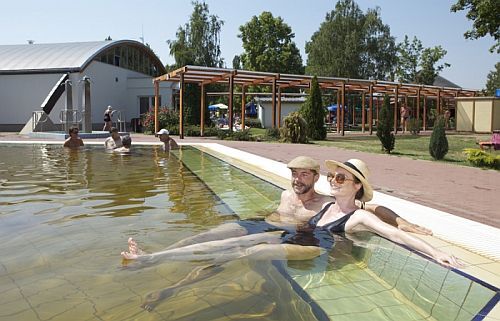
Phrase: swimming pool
(65, 216)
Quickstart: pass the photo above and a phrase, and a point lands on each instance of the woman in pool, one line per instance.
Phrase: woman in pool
(348, 182)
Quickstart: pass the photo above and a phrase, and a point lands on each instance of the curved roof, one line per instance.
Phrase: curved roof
(60, 57)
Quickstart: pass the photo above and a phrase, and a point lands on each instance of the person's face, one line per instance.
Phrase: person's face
(74, 133)
(342, 183)
(303, 180)
(164, 137)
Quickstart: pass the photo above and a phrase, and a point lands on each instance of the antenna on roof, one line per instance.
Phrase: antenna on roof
(142, 31)
(30, 42)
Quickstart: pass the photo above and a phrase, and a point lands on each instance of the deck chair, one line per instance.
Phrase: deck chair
(494, 142)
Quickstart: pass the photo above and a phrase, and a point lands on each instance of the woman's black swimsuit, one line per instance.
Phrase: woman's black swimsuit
(337, 226)
(107, 117)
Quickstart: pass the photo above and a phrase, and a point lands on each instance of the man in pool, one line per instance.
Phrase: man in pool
(73, 141)
(296, 206)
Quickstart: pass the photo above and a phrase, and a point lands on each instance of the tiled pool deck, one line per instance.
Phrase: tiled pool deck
(459, 204)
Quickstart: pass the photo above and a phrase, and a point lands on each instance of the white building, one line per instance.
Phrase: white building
(120, 73)
(265, 109)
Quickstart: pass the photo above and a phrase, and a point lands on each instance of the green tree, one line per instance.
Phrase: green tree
(268, 46)
(416, 64)
(384, 127)
(350, 43)
(493, 81)
(438, 145)
(197, 43)
(314, 113)
(237, 62)
(485, 15)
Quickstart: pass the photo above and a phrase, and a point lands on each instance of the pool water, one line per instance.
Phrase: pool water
(65, 215)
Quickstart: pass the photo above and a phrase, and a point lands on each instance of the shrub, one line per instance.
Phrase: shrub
(253, 122)
(243, 135)
(167, 118)
(314, 113)
(480, 158)
(272, 134)
(384, 127)
(414, 126)
(438, 145)
(294, 129)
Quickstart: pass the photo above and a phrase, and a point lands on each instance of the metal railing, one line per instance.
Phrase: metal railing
(120, 121)
(70, 117)
(38, 117)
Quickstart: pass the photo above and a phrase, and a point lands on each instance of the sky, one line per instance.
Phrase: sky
(156, 21)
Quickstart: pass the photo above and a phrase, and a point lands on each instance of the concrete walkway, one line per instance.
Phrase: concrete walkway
(468, 192)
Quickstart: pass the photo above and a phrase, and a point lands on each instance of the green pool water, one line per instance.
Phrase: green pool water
(65, 216)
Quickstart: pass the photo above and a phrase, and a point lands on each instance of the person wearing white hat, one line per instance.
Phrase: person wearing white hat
(168, 142)
(349, 182)
(107, 119)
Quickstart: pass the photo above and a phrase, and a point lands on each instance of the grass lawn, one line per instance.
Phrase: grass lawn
(416, 147)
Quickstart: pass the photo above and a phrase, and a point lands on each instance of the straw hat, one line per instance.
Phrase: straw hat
(357, 168)
(304, 162)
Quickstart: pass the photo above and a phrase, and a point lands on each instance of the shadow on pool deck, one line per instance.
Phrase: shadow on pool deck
(468, 192)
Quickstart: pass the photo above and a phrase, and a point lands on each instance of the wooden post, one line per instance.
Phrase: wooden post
(363, 112)
(370, 111)
(279, 107)
(273, 104)
(396, 110)
(438, 106)
(243, 108)
(418, 103)
(377, 103)
(343, 109)
(202, 111)
(181, 107)
(230, 107)
(424, 120)
(338, 111)
(157, 93)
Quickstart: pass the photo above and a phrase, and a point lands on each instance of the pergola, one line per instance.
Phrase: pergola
(244, 78)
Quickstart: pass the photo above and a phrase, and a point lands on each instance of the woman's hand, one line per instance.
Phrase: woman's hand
(447, 260)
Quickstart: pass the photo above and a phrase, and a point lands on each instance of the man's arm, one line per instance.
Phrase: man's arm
(173, 144)
(390, 217)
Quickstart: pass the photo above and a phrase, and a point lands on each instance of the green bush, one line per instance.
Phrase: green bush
(167, 118)
(294, 129)
(438, 145)
(414, 126)
(272, 134)
(384, 127)
(253, 122)
(314, 113)
(243, 135)
(195, 131)
(480, 158)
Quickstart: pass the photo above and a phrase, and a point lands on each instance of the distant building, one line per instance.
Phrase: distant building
(265, 109)
(120, 73)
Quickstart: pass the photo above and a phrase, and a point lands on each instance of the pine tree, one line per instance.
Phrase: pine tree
(314, 113)
(384, 127)
(438, 145)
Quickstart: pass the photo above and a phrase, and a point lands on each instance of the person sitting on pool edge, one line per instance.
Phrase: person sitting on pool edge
(348, 183)
(125, 149)
(114, 140)
(73, 141)
(168, 142)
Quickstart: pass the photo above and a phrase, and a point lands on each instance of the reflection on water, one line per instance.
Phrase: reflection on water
(65, 216)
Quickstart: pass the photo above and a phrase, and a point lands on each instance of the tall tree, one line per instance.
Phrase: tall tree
(314, 113)
(350, 43)
(493, 81)
(485, 15)
(197, 43)
(416, 64)
(268, 45)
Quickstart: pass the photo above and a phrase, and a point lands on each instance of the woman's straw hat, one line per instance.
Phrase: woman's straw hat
(357, 168)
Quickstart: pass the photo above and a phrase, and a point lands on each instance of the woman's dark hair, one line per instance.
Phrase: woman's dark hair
(73, 130)
(126, 141)
(361, 191)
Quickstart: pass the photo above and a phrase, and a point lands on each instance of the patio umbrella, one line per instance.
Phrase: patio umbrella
(250, 109)
(217, 106)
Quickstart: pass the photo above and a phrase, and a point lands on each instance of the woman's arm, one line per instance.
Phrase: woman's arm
(390, 217)
(374, 224)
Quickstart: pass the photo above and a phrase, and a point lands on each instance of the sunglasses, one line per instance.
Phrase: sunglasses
(338, 178)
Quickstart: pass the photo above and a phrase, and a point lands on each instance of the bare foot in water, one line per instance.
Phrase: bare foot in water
(133, 250)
